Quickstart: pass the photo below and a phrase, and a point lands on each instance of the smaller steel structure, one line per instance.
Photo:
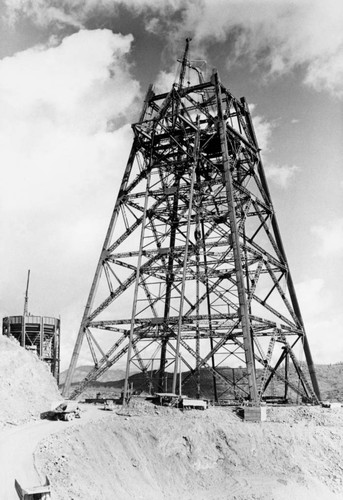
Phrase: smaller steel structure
(40, 334)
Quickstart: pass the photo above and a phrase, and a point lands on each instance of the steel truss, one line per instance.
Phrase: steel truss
(193, 276)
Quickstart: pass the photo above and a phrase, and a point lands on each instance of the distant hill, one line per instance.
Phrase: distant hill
(330, 379)
(80, 373)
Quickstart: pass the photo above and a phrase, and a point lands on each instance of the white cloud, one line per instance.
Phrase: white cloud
(263, 130)
(323, 320)
(82, 82)
(326, 73)
(61, 164)
(281, 174)
(312, 298)
(75, 12)
(153, 25)
(44, 12)
(164, 81)
(277, 34)
(330, 237)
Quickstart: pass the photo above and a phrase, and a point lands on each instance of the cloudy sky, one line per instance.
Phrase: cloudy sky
(72, 77)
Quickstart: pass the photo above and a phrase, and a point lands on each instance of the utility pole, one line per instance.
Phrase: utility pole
(26, 301)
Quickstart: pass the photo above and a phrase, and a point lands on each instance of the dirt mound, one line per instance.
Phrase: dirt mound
(165, 454)
(314, 415)
(27, 387)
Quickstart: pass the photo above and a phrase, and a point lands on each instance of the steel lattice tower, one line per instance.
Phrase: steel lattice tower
(193, 275)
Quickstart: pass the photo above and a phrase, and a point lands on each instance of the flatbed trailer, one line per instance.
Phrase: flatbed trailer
(193, 404)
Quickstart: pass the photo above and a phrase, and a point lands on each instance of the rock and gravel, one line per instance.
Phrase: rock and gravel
(156, 453)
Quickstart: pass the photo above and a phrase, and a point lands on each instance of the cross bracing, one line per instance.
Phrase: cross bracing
(193, 275)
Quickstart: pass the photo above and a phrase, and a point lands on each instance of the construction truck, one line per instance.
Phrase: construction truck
(67, 410)
(166, 399)
(41, 492)
(108, 405)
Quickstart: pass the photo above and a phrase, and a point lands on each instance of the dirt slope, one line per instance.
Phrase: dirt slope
(160, 454)
(27, 387)
(18, 444)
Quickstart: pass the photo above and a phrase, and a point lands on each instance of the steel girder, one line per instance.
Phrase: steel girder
(193, 275)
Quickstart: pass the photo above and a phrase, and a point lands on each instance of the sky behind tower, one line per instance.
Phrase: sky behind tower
(73, 74)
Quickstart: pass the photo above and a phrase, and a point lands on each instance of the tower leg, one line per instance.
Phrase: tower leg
(243, 305)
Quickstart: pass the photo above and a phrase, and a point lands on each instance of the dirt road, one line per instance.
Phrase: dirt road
(17, 446)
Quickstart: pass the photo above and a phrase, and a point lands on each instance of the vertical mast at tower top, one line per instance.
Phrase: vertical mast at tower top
(193, 272)
(184, 63)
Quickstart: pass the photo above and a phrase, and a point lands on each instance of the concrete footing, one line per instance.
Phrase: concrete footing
(255, 413)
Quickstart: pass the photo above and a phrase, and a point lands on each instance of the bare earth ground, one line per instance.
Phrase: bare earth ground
(166, 454)
(17, 446)
(156, 453)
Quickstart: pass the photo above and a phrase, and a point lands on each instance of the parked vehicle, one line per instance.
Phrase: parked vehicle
(166, 399)
(108, 405)
(67, 410)
(41, 492)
